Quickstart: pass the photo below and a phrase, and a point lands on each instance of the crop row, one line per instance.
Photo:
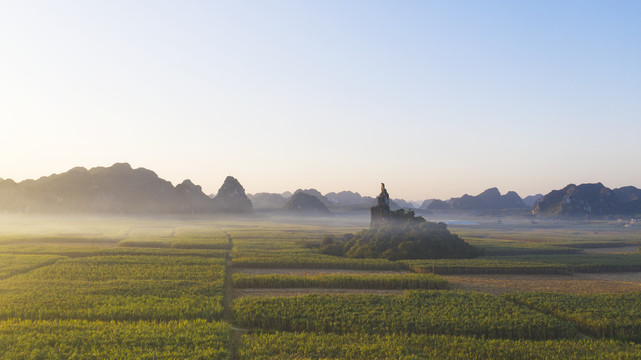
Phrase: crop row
(106, 268)
(85, 251)
(11, 264)
(212, 244)
(531, 264)
(485, 266)
(591, 263)
(79, 339)
(303, 261)
(427, 312)
(602, 315)
(341, 281)
(288, 345)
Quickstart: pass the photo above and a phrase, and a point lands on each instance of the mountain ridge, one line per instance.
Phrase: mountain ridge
(589, 200)
(490, 199)
(118, 189)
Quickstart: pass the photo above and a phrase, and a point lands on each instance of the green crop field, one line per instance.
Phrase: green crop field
(93, 288)
(341, 281)
(602, 315)
(313, 261)
(531, 264)
(11, 264)
(485, 265)
(307, 345)
(426, 312)
(80, 339)
(117, 288)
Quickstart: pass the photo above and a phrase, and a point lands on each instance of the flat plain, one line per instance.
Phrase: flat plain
(95, 288)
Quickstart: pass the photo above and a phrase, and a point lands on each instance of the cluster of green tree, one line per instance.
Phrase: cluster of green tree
(402, 236)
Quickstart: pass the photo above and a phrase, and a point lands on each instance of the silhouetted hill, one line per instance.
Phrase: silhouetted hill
(267, 200)
(354, 200)
(438, 205)
(193, 194)
(628, 193)
(117, 189)
(490, 199)
(315, 193)
(346, 198)
(231, 197)
(403, 204)
(532, 199)
(302, 203)
(588, 200)
(425, 204)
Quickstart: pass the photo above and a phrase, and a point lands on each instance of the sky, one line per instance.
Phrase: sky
(434, 98)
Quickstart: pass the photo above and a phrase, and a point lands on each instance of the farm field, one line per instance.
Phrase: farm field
(576, 284)
(256, 289)
(288, 345)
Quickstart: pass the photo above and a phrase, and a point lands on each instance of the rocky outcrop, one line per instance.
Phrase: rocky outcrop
(380, 213)
(588, 200)
(231, 198)
(302, 203)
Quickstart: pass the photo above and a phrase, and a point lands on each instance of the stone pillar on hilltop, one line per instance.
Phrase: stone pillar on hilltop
(381, 212)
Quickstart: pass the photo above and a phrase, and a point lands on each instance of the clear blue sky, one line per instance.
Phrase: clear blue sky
(434, 98)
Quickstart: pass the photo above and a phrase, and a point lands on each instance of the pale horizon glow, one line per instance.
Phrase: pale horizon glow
(436, 99)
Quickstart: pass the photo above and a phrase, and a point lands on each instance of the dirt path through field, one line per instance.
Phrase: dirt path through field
(578, 283)
(236, 333)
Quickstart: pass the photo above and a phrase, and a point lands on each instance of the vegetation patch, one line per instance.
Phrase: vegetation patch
(306, 345)
(144, 243)
(485, 266)
(603, 315)
(340, 281)
(575, 284)
(11, 264)
(591, 263)
(404, 236)
(117, 288)
(313, 261)
(79, 339)
(422, 312)
(85, 251)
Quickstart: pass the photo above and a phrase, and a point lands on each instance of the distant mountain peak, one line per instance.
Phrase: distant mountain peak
(305, 204)
(231, 197)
